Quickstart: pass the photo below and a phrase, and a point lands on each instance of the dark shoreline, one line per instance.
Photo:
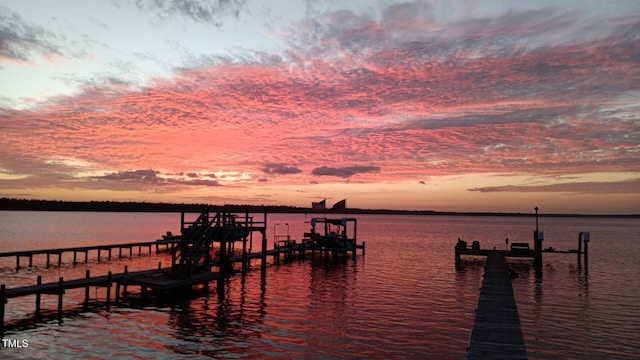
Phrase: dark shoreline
(116, 206)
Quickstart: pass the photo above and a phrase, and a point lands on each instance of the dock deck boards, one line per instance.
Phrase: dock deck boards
(496, 333)
(161, 279)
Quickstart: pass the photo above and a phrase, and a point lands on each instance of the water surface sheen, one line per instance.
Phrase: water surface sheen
(403, 299)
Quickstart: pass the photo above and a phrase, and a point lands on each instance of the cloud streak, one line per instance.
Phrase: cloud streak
(588, 187)
(280, 169)
(198, 10)
(21, 41)
(344, 172)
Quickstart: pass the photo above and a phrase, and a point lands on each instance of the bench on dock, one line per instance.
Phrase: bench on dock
(520, 249)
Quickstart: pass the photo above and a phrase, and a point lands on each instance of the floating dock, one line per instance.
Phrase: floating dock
(496, 330)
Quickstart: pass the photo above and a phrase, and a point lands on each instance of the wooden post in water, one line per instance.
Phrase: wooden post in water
(60, 259)
(537, 248)
(18, 262)
(580, 234)
(244, 244)
(585, 238)
(38, 283)
(86, 290)
(263, 265)
(108, 290)
(30, 260)
(60, 293)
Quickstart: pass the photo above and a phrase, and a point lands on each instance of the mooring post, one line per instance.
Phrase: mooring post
(86, 289)
(537, 248)
(108, 290)
(244, 246)
(60, 293)
(585, 238)
(38, 283)
(263, 262)
(580, 234)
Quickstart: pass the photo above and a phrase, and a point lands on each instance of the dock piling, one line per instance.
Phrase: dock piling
(86, 290)
(538, 237)
(108, 290)
(38, 283)
(60, 294)
(585, 238)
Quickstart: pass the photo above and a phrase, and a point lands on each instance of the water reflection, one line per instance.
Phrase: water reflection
(405, 299)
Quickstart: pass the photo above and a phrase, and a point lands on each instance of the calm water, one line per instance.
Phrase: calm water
(403, 299)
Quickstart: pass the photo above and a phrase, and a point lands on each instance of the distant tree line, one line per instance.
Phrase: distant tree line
(135, 206)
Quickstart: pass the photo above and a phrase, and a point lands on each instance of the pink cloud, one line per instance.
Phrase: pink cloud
(385, 100)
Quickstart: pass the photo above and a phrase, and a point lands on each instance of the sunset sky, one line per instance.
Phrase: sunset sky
(425, 105)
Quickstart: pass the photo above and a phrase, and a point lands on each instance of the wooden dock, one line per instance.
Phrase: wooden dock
(192, 258)
(496, 332)
(30, 254)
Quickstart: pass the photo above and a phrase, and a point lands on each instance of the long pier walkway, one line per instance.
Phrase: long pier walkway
(168, 244)
(496, 330)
